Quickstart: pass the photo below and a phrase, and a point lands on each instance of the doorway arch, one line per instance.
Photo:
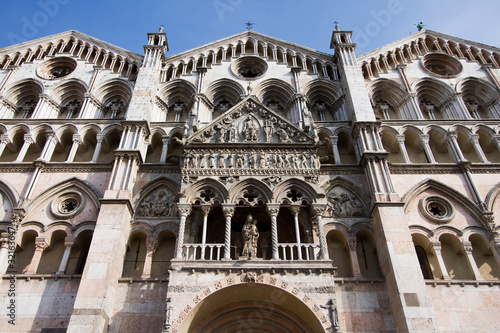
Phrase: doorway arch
(251, 307)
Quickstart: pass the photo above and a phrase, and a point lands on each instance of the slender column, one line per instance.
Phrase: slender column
(205, 208)
(68, 243)
(77, 141)
(427, 148)
(467, 247)
(98, 147)
(28, 140)
(487, 69)
(4, 264)
(402, 147)
(336, 155)
(273, 210)
(318, 210)
(184, 210)
(151, 245)
(436, 247)
(455, 147)
(352, 244)
(4, 141)
(228, 211)
(163, 158)
(478, 149)
(40, 246)
(295, 211)
(49, 147)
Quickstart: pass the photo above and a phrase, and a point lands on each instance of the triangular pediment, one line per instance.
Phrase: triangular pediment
(412, 39)
(250, 122)
(243, 37)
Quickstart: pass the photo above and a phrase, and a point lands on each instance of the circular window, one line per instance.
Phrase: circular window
(437, 209)
(56, 68)
(441, 65)
(249, 67)
(68, 204)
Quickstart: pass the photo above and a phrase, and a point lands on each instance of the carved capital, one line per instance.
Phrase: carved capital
(205, 208)
(318, 209)
(295, 210)
(184, 209)
(351, 243)
(228, 210)
(40, 244)
(151, 244)
(273, 209)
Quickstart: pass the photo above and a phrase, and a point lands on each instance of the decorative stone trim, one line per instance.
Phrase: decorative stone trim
(68, 204)
(437, 209)
(253, 278)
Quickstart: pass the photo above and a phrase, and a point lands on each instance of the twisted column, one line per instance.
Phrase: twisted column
(273, 210)
(228, 211)
(318, 210)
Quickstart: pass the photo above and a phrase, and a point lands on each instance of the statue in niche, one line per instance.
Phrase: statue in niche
(313, 161)
(250, 236)
(211, 161)
(240, 161)
(262, 161)
(252, 160)
(220, 160)
(230, 161)
(232, 133)
(250, 132)
(203, 161)
(279, 161)
(160, 204)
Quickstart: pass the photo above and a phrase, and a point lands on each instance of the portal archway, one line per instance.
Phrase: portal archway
(251, 308)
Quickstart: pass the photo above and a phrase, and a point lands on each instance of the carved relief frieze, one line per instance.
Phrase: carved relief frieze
(250, 161)
(343, 203)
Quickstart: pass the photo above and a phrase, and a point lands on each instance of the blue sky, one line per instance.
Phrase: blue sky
(191, 23)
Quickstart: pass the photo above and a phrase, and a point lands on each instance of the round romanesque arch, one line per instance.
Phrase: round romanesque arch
(248, 303)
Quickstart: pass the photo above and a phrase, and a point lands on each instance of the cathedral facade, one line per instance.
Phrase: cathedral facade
(250, 185)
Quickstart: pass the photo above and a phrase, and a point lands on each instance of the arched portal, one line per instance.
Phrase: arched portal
(251, 308)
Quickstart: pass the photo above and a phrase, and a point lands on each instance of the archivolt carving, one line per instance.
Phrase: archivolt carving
(342, 203)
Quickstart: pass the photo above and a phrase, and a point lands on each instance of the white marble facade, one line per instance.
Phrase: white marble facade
(250, 185)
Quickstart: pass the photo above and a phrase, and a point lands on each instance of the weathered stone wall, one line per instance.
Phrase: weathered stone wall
(46, 303)
(364, 307)
(465, 308)
(139, 307)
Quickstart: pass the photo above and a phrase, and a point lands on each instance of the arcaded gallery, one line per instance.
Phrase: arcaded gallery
(250, 185)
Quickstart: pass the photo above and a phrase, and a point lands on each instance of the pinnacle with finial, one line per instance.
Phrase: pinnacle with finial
(249, 25)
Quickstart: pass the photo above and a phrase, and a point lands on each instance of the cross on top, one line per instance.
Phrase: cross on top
(249, 25)
(337, 27)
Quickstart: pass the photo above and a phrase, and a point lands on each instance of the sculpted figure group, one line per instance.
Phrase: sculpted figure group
(251, 160)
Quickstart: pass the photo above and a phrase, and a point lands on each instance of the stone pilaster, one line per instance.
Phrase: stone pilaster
(411, 304)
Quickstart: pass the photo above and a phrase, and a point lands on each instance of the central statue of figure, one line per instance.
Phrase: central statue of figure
(250, 235)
